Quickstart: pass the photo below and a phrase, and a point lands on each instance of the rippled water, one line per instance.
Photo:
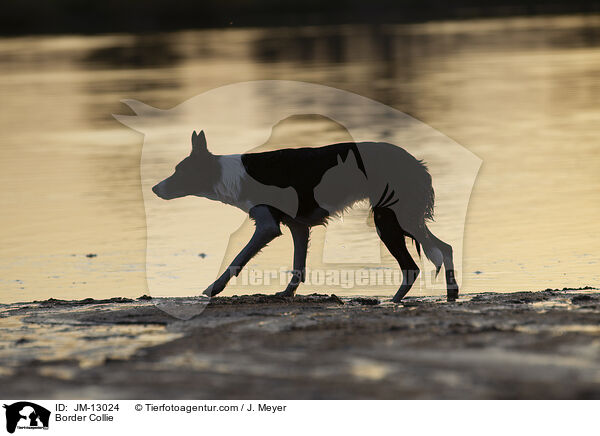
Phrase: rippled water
(522, 94)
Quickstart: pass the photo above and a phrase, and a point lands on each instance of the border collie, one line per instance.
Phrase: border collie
(304, 187)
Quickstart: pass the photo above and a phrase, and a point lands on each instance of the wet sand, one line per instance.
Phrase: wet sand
(526, 345)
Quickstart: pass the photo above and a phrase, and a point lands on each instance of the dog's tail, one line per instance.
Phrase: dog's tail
(430, 247)
(424, 199)
(424, 189)
(417, 244)
(421, 201)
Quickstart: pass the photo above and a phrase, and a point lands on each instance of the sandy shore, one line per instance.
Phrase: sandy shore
(519, 345)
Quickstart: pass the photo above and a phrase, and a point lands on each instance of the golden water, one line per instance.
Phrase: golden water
(522, 94)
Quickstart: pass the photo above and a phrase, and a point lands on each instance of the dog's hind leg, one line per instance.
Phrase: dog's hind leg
(446, 249)
(267, 229)
(300, 235)
(393, 236)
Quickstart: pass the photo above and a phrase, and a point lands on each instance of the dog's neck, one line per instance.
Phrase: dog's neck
(229, 186)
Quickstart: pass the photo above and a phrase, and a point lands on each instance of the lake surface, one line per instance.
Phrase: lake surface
(521, 94)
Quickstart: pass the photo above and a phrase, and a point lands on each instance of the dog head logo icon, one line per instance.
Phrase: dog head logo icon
(26, 415)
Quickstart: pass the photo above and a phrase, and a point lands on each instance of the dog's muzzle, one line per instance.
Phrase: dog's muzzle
(159, 190)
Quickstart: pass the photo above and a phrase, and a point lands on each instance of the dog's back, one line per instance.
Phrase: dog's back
(330, 178)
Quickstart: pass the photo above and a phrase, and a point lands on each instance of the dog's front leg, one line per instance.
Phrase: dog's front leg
(300, 235)
(267, 229)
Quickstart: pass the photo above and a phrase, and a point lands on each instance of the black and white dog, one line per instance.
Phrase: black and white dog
(304, 187)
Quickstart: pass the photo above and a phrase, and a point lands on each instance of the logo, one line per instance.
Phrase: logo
(26, 415)
(196, 243)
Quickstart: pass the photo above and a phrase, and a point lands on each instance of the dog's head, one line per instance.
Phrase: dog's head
(194, 175)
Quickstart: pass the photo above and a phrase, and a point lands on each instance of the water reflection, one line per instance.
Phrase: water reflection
(139, 51)
(520, 93)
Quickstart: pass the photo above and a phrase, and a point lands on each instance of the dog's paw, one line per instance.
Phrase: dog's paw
(452, 293)
(214, 289)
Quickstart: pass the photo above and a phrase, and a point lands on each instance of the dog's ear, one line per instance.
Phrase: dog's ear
(199, 143)
(339, 160)
(351, 160)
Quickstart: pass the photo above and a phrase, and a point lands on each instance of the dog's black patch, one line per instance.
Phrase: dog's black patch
(301, 169)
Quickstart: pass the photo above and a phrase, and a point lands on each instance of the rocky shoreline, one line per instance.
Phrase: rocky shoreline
(526, 345)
